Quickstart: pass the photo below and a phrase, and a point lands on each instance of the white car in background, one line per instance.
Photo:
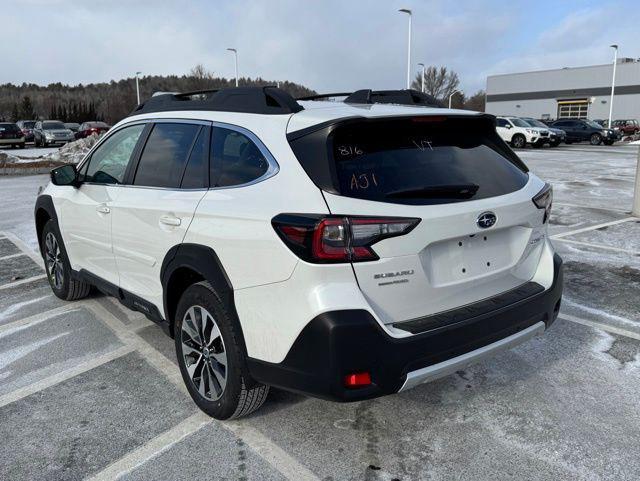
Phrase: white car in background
(519, 133)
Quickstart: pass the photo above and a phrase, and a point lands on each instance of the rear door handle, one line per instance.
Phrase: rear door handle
(170, 220)
(103, 209)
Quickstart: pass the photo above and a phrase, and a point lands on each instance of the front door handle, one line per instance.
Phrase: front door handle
(170, 220)
(103, 209)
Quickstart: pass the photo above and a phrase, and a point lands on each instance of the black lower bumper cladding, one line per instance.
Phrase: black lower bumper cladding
(338, 343)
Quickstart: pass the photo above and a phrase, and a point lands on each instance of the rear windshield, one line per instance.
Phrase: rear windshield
(53, 126)
(28, 125)
(9, 128)
(422, 161)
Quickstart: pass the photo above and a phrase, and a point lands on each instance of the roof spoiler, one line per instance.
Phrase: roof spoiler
(268, 100)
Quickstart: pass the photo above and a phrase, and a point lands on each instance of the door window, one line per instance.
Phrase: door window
(165, 155)
(235, 159)
(196, 175)
(108, 163)
(501, 123)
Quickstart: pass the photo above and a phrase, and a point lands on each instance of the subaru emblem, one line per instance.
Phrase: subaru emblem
(486, 220)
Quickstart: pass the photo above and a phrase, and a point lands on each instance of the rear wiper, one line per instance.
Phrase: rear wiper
(453, 191)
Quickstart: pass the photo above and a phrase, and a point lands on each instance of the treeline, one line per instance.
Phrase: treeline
(111, 101)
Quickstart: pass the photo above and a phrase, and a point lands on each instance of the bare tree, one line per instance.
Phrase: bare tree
(438, 81)
(476, 101)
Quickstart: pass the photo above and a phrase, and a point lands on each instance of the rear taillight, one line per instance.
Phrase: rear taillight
(543, 200)
(330, 239)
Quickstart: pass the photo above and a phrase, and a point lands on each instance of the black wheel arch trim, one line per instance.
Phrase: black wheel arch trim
(205, 262)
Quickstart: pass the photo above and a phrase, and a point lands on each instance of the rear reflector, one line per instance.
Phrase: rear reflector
(357, 379)
(332, 239)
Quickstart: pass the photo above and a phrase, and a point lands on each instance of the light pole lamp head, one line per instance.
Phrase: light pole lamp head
(138, 73)
(232, 50)
(405, 10)
(614, 46)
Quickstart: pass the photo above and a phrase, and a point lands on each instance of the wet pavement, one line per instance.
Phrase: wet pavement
(90, 389)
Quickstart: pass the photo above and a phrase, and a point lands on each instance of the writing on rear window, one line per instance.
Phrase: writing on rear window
(363, 181)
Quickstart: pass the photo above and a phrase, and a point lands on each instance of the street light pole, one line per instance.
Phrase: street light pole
(451, 96)
(408, 12)
(422, 85)
(235, 53)
(613, 83)
(138, 86)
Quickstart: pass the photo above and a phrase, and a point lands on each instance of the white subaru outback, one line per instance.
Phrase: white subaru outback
(345, 250)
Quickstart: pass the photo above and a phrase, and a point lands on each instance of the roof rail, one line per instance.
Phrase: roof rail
(325, 96)
(268, 100)
(399, 97)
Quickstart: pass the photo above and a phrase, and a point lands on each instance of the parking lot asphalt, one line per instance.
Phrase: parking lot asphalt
(91, 390)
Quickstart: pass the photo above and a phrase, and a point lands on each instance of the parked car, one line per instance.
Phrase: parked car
(401, 252)
(10, 134)
(627, 127)
(583, 130)
(91, 128)
(26, 126)
(51, 132)
(602, 122)
(519, 133)
(555, 135)
(72, 126)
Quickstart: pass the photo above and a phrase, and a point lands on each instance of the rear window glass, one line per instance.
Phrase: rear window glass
(53, 125)
(420, 161)
(165, 155)
(9, 128)
(28, 125)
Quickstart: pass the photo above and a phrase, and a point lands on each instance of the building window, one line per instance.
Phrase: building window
(577, 109)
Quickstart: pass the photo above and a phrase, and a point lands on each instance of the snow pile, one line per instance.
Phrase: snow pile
(73, 152)
(636, 142)
(6, 158)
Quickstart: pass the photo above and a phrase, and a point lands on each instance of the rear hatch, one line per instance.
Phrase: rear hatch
(479, 231)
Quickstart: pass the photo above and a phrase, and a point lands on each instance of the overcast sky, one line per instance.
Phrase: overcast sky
(325, 45)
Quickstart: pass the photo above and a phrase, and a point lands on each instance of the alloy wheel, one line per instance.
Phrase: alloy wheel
(53, 257)
(204, 353)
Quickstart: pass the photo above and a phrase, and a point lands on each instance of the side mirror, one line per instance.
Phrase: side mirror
(65, 175)
(508, 126)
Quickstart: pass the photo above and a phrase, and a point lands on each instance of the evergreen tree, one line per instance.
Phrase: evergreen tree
(26, 109)
(15, 114)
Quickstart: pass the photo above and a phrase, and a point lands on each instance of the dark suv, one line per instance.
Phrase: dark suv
(583, 130)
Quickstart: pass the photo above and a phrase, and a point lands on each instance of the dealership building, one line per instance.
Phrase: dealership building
(583, 92)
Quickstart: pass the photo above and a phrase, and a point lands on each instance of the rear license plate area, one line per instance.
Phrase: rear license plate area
(468, 257)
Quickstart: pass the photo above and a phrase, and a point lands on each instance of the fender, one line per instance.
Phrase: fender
(44, 203)
(205, 262)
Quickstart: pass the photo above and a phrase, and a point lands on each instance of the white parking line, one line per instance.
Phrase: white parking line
(12, 256)
(601, 326)
(9, 285)
(153, 448)
(593, 227)
(267, 449)
(35, 257)
(40, 317)
(63, 376)
(598, 246)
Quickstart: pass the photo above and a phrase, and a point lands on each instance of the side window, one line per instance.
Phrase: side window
(108, 163)
(235, 159)
(501, 122)
(165, 155)
(196, 175)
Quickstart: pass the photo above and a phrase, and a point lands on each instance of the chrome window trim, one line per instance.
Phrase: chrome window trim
(272, 169)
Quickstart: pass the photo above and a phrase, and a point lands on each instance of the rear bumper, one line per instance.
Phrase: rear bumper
(338, 343)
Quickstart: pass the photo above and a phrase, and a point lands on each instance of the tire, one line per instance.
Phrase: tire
(595, 139)
(221, 391)
(57, 266)
(35, 142)
(555, 143)
(22, 145)
(518, 141)
(608, 142)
